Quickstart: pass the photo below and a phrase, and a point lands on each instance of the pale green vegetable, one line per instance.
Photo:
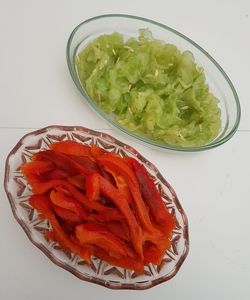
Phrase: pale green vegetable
(151, 88)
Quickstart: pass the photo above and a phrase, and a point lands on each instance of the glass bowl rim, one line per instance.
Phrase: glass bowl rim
(215, 143)
(43, 249)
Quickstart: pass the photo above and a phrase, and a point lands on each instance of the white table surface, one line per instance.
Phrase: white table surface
(214, 187)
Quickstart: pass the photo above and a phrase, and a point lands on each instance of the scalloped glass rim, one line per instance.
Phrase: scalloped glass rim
(33, 226)
(219, 140)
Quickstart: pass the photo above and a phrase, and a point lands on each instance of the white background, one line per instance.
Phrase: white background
(213, 187)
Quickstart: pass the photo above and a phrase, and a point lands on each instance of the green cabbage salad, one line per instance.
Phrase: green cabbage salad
(151, 88)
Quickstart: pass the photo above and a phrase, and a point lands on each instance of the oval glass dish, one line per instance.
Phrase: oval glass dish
(99, 272)
(219, 83)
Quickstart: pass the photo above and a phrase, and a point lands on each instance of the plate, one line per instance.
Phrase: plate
(99, 272)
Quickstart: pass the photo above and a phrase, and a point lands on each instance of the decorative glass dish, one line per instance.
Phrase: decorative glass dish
(99, 272)
(219, 83)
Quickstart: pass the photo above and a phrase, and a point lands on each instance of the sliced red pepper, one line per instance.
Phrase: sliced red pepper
(110, 214)
(96, 151)
(107, 175)
(120, 201)
(60, 199)
(43, 205)
(123, 262)
(50, 236)
(62, 162)
(43, 187)
(67, 215)
(91, 233)
(37, 167)
(93, 186)
(54, 174)
(113, 193)
(71, 147)
(157, 238)
(152, 197)
(89, 164)
(34, 170)
(152, 254)
(117, 164)
(121, 185)
(119, 229)
(78, 181)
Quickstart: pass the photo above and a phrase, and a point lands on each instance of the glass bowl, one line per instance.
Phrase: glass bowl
(99, 272)
(218, 81)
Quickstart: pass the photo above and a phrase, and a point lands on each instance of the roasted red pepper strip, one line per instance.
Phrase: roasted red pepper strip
(121, 203)
(62, 162)
(124, 262)
(152, 254)
(118, 165)
(34, 170)
(96, 151)
(43, 205)
(43, 187)
(60, 199)
(110, 214)
(89, 164)
(54, 174)
(93, 186)
(120, 229)
(37, 167)
(91, 233)
(78, 181)
(50, 235)
(152, 197)
(67, 215)
(121, 185)
(158, 238)
(71, 147)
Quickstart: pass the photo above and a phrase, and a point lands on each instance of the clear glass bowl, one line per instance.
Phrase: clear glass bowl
(99, 272)
(218, 81)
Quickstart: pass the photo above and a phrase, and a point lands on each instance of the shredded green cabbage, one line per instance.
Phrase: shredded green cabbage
(151, 88)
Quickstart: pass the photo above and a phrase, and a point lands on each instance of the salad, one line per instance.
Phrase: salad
(151, 88)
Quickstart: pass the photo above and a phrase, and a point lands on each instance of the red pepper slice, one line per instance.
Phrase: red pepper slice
(152, 254)
(78, 181)
(61, 161)
(91, 233)
(58, 198)
(92, 186)
(71, 147)
(43, 205)
(120, 229)
(37, 167)
(89, 164)
(96, 151)
(158, 238)
(117, 164)
(54, 174)
(123, 262)
(67, 215)
(152, 197)
(121, 203)
(34, 170)
(50, 236)
(43, 187)
(121, 185)
(110, 214)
